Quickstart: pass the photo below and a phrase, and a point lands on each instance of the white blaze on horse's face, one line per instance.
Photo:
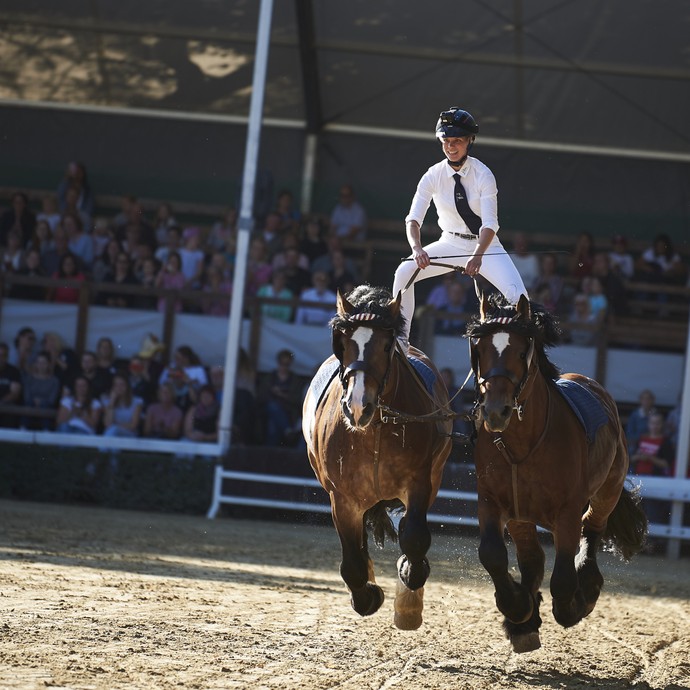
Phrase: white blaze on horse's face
(500, 341)
(357, 399)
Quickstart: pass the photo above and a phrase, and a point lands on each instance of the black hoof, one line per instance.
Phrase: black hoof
(367, 600)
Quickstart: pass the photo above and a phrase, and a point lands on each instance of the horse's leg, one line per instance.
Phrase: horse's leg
(524, 637)
(413, 567)
(513, 600)
(356, 567)
(568, 602)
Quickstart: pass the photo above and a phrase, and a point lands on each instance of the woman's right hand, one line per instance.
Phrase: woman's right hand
(421, 258)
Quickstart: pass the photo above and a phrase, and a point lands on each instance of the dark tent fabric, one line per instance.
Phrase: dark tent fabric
(584, 108)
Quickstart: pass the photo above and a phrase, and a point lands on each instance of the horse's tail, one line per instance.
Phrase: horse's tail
(626, 530)
(378, 521)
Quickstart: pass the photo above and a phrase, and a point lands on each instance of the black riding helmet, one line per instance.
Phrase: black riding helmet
(455, 122)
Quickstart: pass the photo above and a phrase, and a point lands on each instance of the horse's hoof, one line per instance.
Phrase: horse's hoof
(367, 600)
(408, 607)
(407, 621)
(525, 643)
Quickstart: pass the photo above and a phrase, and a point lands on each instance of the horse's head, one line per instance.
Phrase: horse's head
(502, 349)
(364, 332)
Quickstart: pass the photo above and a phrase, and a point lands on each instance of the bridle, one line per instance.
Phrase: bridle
(518, 383)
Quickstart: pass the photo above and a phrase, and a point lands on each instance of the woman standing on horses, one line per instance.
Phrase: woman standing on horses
(464, 192)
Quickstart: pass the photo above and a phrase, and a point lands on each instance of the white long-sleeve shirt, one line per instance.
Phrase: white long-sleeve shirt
(438, 185)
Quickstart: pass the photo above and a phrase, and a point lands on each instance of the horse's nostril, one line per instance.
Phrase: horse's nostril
(368, 410)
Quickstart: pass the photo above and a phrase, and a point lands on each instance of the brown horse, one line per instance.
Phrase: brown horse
(541, 461)
(377, 438)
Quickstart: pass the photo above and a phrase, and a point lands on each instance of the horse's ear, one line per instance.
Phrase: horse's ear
(483, 307)
(523, 308)
(343, 306)
(337, 344)
(394, 305)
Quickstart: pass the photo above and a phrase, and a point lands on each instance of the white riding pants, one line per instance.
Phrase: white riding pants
(497, 267)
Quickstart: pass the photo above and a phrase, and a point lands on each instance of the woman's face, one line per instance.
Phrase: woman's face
(69, 268)
(81, 388)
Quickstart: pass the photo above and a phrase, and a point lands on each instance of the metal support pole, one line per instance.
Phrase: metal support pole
(245, 226)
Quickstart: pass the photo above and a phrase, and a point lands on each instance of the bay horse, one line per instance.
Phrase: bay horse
(378, 437)
(542, 462)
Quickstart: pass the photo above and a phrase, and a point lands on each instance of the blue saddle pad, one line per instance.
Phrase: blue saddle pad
(322, 379)
(425, 372)
(586, 406)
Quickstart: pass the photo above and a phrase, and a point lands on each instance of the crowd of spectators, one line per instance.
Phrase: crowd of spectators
(148, 247)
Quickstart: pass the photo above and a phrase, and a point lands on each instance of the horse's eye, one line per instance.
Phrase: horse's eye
(523, 355)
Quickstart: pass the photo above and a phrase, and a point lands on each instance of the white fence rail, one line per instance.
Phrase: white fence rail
(676, 491)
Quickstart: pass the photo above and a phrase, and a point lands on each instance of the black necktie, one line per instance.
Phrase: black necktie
(472, 220)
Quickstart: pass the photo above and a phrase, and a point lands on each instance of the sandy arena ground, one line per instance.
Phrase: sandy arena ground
(96, 598)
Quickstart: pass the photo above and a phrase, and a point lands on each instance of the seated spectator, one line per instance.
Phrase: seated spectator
(526, 262)
(150, 268)
(340, 277)
(127, 203)
(455, 304)
(173, 242)
(68, 271)
(317, 316)
(13, 253)
(170, 277)
(258, 268)
(638, 421)
(217, 289)
(121, 409)
(598, 304)
(24, 352)
(42, 239)
(51, 258)
(289, 215)
(163, 221)
(582, 256)
(326, 262)
(164, 418)
(246, 425)
(135, 217)
(76, 180)
(192, 258)
(271, 235)
(140, 380)
(297, 279)
(104, 265)
(187, 375)
(582, 315)
(18, 217)
(79, 243)
(660, 263)
(32, 269)
(621, 260)
(276, 289)
(280, 396)
(122, 276)
(151, 354)
(289, 244)
(201, 419)
(612, 284)
(80, 412)
(99, 379)
(50, 212)
(107, 362)
(313, 245)
(71, 208)
(223, 232)
(348, 218)
(63, 360)
(549, 285)
(10, 387)
(101, 235)
(41, 392)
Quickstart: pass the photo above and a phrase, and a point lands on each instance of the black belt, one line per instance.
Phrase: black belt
(463, 235)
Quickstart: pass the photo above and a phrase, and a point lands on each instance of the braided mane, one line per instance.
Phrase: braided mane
(371, 308)
(503, 317)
